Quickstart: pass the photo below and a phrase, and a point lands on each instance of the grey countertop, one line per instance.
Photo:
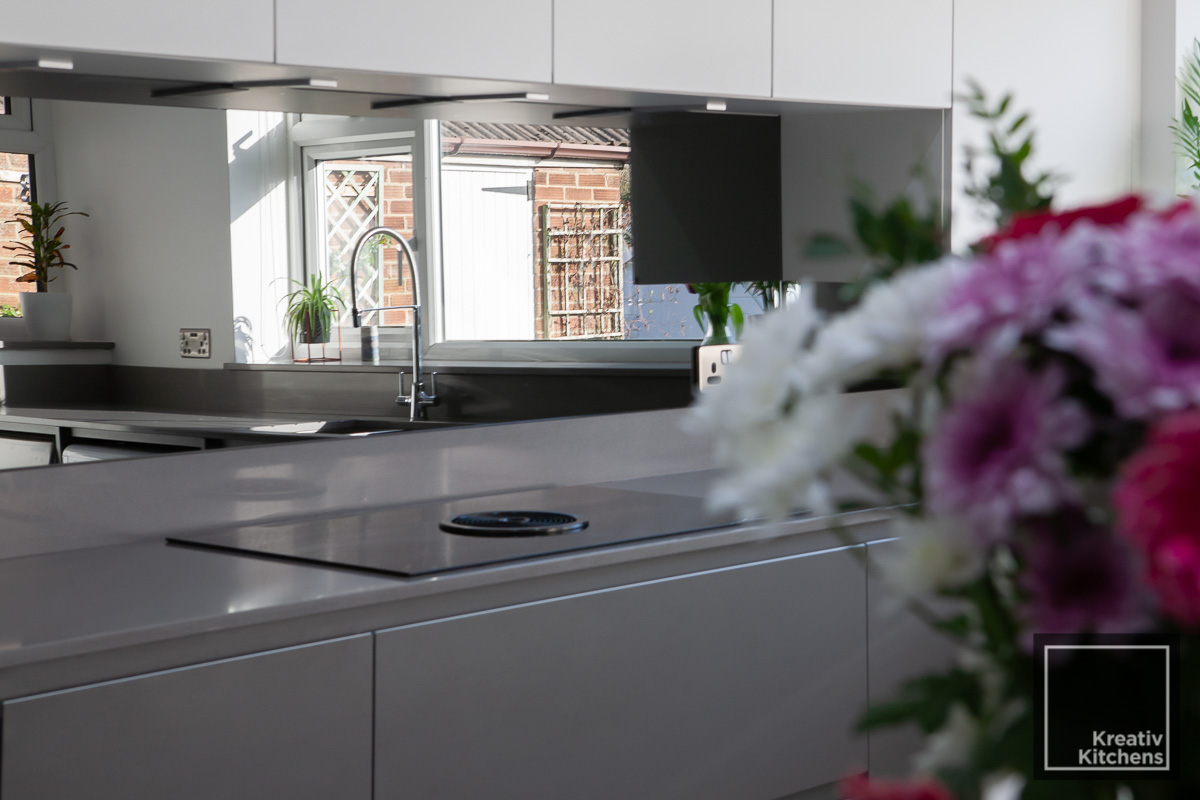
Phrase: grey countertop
(94, 614)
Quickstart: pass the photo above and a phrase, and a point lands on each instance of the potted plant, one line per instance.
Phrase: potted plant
(310, 310)
(12, 325)
(714, 313)
(47, 316)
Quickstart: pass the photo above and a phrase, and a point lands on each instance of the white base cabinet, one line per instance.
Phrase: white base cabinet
(292, 723)
(735, 684)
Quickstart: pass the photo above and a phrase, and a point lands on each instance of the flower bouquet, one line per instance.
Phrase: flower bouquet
(1044, 464)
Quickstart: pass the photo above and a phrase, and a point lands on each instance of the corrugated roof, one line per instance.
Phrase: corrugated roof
(515, 132)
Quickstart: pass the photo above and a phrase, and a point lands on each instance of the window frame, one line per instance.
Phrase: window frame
(322, 138)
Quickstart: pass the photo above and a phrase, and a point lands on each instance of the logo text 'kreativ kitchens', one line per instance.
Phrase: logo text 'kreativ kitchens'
(1124, 750)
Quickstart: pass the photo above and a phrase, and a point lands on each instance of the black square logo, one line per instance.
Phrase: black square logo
(1107, 706)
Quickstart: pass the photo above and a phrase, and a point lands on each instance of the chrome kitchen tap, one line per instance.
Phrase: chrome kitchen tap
(416, 398)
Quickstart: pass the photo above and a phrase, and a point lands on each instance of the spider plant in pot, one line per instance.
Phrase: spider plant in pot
(40, 251)
(310, 310)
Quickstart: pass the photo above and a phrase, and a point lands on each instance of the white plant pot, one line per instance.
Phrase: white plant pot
(13, 328)
(47, 316)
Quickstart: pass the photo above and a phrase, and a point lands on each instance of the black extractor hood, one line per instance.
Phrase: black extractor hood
(706, 197)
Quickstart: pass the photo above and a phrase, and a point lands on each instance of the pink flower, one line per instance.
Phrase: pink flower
(1146, 356)
(997, 454)
(860, 787)
(1020, 288)
(1157, 509)
(1079, 577)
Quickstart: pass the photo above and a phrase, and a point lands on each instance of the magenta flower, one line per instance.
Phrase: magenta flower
(1146, 357)
(1018, 289)
(1080, 577)
(997, 454)
(1156, 506)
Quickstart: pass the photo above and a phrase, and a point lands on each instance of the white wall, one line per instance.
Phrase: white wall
(258, 179)
(155, 255)
(1076, 64)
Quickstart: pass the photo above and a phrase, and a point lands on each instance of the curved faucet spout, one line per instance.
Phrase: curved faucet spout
(416, 399)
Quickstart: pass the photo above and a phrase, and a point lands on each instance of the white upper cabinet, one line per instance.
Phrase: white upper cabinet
(711, 47)
(232, 30)
(507, 40)
(870, 52)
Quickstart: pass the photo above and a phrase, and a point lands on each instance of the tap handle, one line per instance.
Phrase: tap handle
(432, 396)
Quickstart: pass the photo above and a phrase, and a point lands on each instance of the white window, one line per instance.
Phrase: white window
(522, 235)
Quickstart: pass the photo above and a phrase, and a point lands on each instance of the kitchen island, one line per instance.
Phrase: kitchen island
(727, 662)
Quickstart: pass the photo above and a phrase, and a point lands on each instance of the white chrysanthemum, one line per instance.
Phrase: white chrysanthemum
(932, 554)
(759, 383)
(781, 465)
(885, 330)
(951, 745)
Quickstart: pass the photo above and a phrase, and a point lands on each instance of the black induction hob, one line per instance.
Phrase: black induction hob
(408, 540)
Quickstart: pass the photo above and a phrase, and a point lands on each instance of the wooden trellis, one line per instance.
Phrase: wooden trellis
(353, 205)
(582, 294)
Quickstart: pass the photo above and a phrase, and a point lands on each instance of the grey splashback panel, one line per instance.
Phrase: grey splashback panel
(407, 540)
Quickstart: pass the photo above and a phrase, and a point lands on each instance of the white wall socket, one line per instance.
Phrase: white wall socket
(710, 364)
(193, 342)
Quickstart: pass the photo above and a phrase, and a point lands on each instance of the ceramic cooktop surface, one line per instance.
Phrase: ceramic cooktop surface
(409, 540)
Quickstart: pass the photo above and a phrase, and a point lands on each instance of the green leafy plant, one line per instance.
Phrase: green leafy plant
(9, 311)
(713, 306)
(44, 249)
(1187, 127)
(1007, 189)
(311, 308)
(770, 294)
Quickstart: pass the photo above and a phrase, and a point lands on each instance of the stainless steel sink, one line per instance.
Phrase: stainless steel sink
(351, 427)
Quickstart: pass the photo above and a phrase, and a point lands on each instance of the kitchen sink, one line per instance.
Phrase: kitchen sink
(352, 427)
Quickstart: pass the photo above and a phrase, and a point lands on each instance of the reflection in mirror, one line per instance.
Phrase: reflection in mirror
(522, 231)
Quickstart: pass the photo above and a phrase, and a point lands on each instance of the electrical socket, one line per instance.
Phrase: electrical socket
(193, 342)
(710, 364)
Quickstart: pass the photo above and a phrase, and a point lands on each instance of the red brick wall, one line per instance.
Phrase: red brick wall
(12, 166)
(568, 185)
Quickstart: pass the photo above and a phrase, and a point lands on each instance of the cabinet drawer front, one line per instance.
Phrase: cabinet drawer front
(871, 52)
(712, 47)
(468, 39)
(236, 30)
(739, 683)
(292, 723)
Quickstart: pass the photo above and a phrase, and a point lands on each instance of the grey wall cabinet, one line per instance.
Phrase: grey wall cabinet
(224, 30)
(736, 683)
(292, 723)
(713, 47)
(469, 38)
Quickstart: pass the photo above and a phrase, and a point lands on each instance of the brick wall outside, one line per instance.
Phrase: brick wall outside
(569, 185)
(12, 167)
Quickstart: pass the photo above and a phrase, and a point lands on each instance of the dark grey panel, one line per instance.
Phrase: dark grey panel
(292, 723)
(372, 392)
(738, 684)
(56, 384)
(407, 540)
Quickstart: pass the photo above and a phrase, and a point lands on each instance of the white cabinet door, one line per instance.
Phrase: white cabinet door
(736, 684)
(232, 30)
(870, 52)
(467, 39)
(713, 47)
